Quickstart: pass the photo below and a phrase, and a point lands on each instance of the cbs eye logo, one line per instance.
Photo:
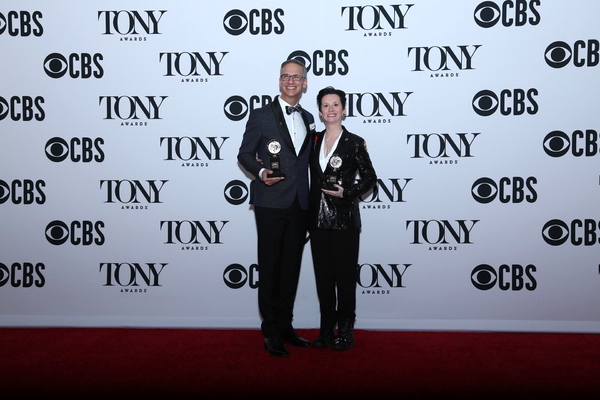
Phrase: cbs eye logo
(555, 232)
(556, 144)
(484, 277)
(484, 190)
(485, 103)
(236, 192)
(236, 108)
(57, 149)
(235, 22)
(57, 232)
(487, 14)
(558, 54)
(236, 276)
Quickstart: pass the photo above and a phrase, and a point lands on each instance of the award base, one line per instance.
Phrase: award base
(329, 186)
(274, 166)
(276, 174)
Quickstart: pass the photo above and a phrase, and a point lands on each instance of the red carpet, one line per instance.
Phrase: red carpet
(182, 363)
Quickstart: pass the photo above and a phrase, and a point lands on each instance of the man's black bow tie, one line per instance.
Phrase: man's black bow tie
(290, 109)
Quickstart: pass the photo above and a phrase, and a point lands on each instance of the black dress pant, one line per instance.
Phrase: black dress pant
(335, 260)
(281, 239)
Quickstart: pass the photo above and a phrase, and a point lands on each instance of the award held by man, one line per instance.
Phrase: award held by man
(274, 148)
(335, 162)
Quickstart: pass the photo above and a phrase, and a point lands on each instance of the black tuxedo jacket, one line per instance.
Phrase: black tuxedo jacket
(265, 124)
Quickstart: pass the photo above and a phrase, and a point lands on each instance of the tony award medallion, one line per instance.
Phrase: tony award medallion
(335, 162)
(274, 148)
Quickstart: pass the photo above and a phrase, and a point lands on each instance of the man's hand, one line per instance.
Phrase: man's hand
(270, 181)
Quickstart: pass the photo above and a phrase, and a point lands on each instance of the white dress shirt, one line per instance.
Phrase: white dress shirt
(295, 125)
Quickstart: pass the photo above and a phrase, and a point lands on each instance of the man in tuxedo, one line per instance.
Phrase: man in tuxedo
(283, 130)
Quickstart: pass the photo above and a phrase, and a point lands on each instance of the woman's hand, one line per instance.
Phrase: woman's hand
(335, 193)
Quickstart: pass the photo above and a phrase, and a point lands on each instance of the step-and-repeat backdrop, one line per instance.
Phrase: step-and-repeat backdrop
(122, 202)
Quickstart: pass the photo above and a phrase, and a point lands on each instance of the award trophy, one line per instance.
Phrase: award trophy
(335, 162)
(274, 147)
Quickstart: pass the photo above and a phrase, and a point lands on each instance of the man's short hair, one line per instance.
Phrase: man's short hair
(294, 61)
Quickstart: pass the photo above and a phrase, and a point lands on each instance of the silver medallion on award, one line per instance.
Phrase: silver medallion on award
(274, 148)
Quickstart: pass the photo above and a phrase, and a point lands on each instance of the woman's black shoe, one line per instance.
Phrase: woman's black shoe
(324, 340)
(345, 338)
(342, 343)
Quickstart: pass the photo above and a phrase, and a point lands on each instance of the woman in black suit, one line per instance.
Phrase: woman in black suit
(337, 157)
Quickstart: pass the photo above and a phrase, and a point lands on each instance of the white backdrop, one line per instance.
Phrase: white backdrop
(122, 203)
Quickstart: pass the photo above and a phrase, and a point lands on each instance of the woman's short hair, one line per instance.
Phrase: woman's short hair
(331, 90)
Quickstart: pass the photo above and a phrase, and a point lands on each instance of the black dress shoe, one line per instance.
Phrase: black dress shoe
(345, 338)
(342, 343)
(275, 347)
(295, 340)
(324, 340)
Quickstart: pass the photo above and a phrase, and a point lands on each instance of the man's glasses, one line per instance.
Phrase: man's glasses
(295, 78)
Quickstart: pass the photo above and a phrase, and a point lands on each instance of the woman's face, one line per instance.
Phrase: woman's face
(331, 108)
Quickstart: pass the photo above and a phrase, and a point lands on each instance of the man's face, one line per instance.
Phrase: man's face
(291, 90)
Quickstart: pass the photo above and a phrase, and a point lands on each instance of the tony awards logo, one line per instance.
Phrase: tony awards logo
(274, 147)
(335, 162)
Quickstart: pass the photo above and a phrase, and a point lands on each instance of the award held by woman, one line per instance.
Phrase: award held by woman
(335, 162)
(274, 148)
